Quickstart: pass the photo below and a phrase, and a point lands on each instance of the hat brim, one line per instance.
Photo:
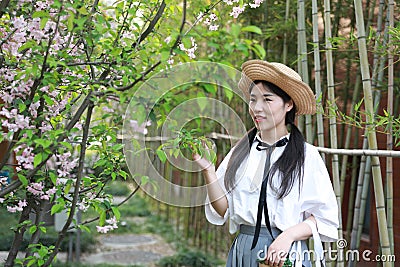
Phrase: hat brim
(283, 77)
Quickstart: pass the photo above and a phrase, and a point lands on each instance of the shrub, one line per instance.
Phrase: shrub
(188, 258)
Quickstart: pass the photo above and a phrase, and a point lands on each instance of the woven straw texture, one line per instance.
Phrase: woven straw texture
(282, 76)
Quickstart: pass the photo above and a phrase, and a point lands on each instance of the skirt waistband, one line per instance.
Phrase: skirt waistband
(250, 230)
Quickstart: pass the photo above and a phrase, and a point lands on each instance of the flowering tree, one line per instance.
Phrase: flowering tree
(67, 71)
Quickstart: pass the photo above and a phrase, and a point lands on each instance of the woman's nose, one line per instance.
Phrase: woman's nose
(257, 106)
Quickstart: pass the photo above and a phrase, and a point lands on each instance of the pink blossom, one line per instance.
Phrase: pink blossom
(26, 158)
(51, 191)
(182, 47)
(22, 203)
(45, 197)
(213, 17)
(213, 27)
(41, 5)
(20, 37)
(170, 61)
(168, 39)
(256, 4)
(230, 2)
(35, 188)
(83, 206)
(19, 22)
(7, 98)
(200, 16)
(45, 127)
(108, 110)
(103, 229)
(236, 11)
(11, 209)
(207, 22)
(1, 200)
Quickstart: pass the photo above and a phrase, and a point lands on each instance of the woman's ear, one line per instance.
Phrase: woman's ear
(289, 105)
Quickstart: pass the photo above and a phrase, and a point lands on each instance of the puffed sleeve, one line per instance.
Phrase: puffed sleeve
(318, 198)
(211, 214)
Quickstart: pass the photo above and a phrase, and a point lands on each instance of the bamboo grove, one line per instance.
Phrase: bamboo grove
(348, 52)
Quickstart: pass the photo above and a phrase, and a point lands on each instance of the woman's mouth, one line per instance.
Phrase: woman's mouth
(259, 118)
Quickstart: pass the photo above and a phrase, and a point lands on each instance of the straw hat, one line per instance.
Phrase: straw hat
(282, 76)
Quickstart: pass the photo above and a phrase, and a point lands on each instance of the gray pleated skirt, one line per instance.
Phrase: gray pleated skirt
(241, 254)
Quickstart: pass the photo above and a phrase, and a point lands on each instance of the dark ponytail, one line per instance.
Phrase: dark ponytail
(290, 163)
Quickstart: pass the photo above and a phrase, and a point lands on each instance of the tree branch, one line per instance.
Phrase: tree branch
(3, 6)
(64, 230)
(151, 26)
(18, 238)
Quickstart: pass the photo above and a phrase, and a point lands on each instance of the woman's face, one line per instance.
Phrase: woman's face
(268, 110)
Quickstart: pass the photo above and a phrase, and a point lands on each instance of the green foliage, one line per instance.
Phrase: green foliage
(187, 140)
(188, 258)
(117, 188)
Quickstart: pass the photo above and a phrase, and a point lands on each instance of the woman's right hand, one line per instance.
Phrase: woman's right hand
(204, 164)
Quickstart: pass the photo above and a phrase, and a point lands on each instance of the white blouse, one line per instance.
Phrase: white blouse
(316, 196)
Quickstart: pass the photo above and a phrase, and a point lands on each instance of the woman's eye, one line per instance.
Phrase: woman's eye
(267, 99)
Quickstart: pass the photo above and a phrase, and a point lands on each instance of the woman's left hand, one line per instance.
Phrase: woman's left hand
(278, 250)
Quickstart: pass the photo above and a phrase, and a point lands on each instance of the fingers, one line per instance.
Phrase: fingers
(275, 259)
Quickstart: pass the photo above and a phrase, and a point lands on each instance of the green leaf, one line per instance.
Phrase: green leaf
(228, 93)
(23, 179)
(235, 30)
(202, 102)
(67, 188)
(116, 212)
(70, 22)
(259, 50)
(37, 159)
(27, 45)
(43, 22)
(210, 88)
(53, 177)
(252, 28)
(57, 208)
(41, 14)
(66, 145)
(32, 229)
(144, 180)
(161, 155)
(83, 10)
(48, 100)
(102, 218)
(21, 107)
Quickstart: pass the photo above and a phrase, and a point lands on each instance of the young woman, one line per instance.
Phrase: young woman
(273, 186)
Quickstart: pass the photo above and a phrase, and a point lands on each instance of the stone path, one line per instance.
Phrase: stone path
(128, 250)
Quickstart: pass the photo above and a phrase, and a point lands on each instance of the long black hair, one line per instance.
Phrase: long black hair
(290, 163)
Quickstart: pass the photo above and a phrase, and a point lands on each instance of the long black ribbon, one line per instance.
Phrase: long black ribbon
(262, 202)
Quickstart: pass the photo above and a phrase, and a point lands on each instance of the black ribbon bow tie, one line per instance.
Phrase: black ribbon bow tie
(262, 202)
(263, 146)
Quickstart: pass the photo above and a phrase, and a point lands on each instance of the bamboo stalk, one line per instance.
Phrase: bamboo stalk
(364, 196)
(352, 194)
(357, 204)
(376, 170)
(317, 74)
(332, 121)
(285, 45)
(349, 135)
(361, 152)
(389, 146)
(303, 70)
